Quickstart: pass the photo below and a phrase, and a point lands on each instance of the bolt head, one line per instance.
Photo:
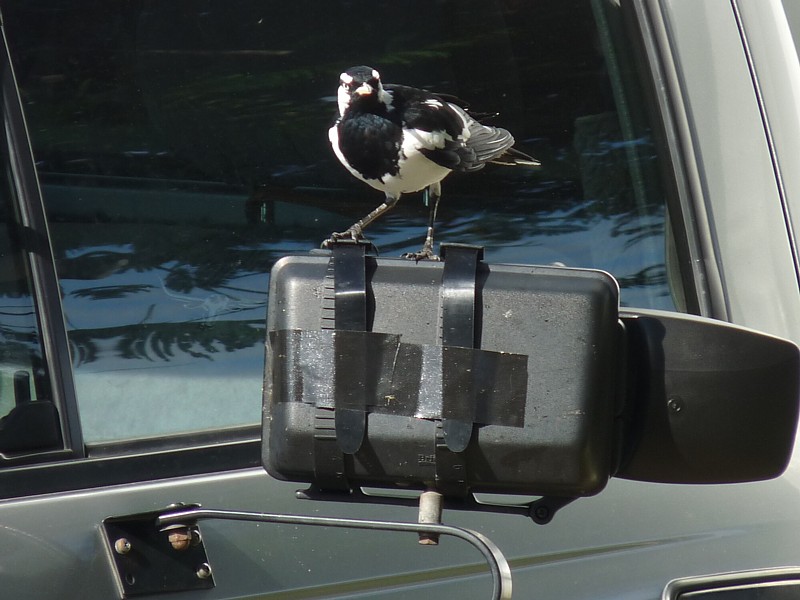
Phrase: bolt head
(542, 513)
(122, 546)
(180, 540)
(203, 571)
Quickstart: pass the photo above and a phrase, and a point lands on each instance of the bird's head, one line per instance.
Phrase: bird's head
(361, 84)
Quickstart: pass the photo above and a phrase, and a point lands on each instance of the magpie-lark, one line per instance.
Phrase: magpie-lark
(401, 139)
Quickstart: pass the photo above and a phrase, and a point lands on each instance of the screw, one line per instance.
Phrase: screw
(122, 546)
(203, 571)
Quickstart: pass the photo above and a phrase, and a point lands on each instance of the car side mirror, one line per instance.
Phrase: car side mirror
(469, 377)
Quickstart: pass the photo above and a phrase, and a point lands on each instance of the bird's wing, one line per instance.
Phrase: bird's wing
(432, 126)
(493, 145)
(425, 111)
(440, 128)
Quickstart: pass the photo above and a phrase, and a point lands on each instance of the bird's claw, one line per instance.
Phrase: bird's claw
(424, 254)
(350, 236)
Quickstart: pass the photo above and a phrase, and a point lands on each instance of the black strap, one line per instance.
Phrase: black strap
(350, 310)
(341, 430)
(350, 287)
(329, 467)
(458, 330)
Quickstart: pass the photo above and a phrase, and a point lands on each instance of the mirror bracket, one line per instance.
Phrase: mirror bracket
(162, 551)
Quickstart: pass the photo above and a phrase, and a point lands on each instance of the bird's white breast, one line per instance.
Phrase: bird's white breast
(415, 171)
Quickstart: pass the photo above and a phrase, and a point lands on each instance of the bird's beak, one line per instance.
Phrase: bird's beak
(364, 89)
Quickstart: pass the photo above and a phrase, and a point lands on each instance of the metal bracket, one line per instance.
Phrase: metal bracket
(498, 565)
(541, 511)
(151, 559)
(162, 551)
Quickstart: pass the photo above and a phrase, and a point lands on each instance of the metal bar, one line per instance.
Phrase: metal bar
(498, 565)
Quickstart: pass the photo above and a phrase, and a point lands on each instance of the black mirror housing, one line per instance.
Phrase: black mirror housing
(711, 402)
(387, 403)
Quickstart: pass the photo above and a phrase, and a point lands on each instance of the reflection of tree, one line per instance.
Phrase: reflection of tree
(19, 345)
(189, 255)
(653, 277)
(179, 259)
(166, 341)
(108, 292)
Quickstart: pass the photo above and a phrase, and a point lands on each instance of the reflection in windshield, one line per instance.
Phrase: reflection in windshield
(183, 149)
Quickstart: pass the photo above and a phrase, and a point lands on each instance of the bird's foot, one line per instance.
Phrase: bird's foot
(349, 236)
(426, 253)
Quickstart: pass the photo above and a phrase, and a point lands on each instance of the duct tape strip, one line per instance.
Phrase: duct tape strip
(316, 367)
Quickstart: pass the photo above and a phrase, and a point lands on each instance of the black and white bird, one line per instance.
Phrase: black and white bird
(401, 139)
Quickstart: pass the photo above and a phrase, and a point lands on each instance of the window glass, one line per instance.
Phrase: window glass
(183, 148)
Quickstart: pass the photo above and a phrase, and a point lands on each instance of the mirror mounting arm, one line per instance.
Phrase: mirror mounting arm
(164, 551)
(541, 511)
(498, 565)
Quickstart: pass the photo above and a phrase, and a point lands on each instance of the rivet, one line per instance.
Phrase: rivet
(122, 546)
(203, 571)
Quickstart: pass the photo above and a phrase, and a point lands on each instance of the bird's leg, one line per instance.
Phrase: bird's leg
(434, 193)
(355, 231)
(431, 195)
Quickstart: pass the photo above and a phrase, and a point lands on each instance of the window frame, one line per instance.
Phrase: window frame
(688, 217)
(36, 242)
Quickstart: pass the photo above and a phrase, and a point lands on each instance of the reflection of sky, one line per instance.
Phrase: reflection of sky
(152, 301)
(595, 244)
